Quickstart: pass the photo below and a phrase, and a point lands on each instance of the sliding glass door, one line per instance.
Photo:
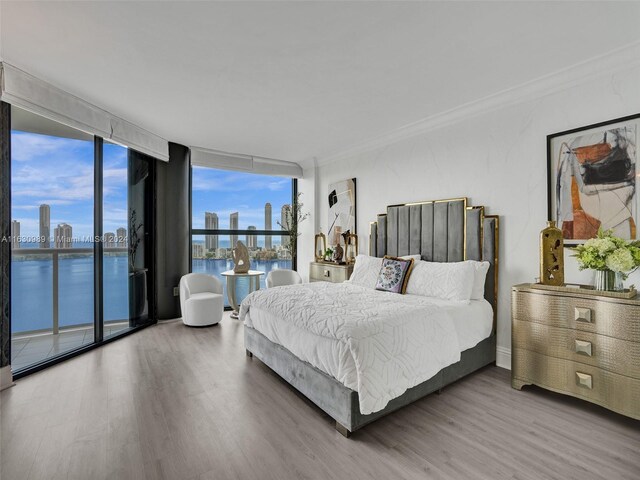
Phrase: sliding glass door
(82, 223)
(52, 295)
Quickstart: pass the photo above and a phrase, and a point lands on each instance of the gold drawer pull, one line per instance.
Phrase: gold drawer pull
(584, 380)
(327, 273)
(583, 348)
(583, 314)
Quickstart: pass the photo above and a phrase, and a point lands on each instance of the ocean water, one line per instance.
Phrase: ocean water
(32, 292)
(32, 288)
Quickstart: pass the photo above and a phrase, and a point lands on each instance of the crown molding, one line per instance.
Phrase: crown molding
(622, 58)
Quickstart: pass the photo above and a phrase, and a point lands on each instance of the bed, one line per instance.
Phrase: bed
(320, 338)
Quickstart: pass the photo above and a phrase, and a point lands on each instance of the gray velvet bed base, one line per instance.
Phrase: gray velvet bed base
(341, 403)
(440, 231)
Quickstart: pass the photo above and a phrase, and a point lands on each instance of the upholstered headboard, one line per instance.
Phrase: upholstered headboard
(440, 231)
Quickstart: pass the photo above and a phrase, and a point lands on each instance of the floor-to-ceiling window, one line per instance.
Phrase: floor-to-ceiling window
(229, 206)
(76, 277)
(52, 202)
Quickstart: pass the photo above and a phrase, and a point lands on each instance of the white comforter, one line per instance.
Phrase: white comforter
(396, 341)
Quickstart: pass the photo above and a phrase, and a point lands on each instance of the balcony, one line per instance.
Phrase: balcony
(63, 279)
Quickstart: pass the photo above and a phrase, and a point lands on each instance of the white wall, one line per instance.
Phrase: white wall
(497, 158)
(308, 228)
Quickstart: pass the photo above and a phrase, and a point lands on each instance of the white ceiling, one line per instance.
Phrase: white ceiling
(298, 80)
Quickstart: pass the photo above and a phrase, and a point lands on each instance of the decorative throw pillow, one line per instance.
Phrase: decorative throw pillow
(394, 274)
(366, 270)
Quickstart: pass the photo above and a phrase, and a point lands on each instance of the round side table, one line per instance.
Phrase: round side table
(254, 284)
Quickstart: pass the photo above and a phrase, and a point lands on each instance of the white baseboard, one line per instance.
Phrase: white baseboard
(6, 377)
(503, 357)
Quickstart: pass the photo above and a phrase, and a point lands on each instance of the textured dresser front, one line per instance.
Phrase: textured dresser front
(577, 344)
(328, 272)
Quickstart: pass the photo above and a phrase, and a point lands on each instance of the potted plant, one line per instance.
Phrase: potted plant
(294, 216)
(328, 254)
(613, 259)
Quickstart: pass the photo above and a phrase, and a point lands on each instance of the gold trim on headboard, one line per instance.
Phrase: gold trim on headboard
(482, 217)
(496, 264)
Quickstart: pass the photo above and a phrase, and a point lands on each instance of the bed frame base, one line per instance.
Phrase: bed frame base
(341, 403)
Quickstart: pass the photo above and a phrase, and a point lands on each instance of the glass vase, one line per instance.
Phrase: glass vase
(608, 280)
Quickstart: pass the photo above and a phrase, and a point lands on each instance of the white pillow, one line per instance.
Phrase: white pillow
(480, 269)
(449, 281)
(366, 270)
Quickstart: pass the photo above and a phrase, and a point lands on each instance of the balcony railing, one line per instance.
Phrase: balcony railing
(23, 254)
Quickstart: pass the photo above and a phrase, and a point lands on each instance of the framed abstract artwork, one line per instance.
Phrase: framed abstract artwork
(593, 179)
(342, 210)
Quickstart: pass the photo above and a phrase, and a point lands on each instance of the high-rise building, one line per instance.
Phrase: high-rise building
(197, 250)
(63, 236)
(267, 225)
(233, 225)
(121, 237)
(252, 240)
(45, 226)
(284, 213)
(109, 240)
(15, 234)
(211, 223)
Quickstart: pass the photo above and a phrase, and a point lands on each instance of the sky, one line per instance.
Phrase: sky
(59, 172)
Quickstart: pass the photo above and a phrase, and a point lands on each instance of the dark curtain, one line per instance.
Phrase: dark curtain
(172, 220)
(5, 234)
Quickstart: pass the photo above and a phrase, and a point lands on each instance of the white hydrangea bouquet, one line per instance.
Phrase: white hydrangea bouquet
(607, 252)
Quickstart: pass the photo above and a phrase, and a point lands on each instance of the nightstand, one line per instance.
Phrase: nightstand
(329, 272)
(587, 346)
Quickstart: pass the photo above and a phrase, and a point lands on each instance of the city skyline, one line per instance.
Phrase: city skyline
(212, 242)
(62, 236)
(225, 192)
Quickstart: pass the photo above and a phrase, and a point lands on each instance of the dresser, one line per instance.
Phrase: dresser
(582, 345)
(329, 272)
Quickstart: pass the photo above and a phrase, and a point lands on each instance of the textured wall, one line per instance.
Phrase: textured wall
(5, 232)
(172, 228)
(496, 158)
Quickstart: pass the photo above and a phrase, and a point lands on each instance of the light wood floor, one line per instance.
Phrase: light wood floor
(172, 402)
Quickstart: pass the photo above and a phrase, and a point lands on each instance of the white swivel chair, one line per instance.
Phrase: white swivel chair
(278, 278)
(201, 300)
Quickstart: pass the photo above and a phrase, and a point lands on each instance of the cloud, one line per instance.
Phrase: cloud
(27, 146)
